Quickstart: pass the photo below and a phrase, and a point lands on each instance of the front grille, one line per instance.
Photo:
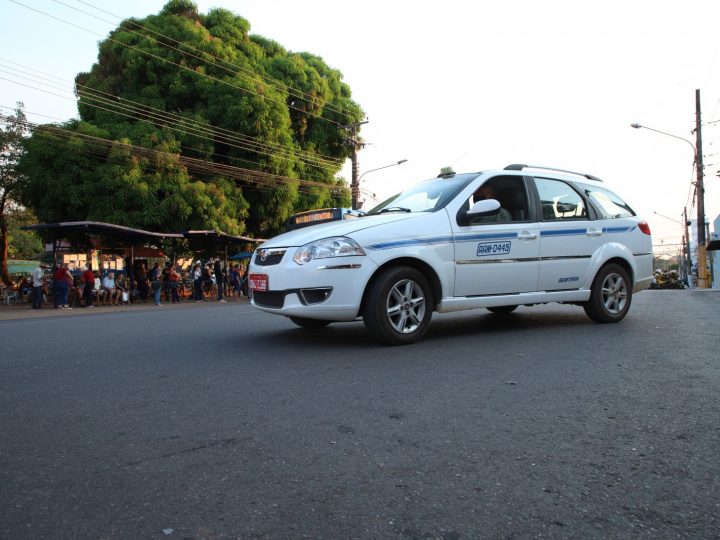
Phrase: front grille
(271, 299)
(272, 257)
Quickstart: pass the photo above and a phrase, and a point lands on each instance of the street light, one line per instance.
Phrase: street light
(639, 126)
(355, 194)
(671, 219)
(383, 167)
(697, 153)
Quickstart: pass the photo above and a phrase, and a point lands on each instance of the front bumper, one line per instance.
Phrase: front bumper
(328, 289)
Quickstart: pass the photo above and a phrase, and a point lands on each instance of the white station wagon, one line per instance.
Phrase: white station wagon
(493, 239)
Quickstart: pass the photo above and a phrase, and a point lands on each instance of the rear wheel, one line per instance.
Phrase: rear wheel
(502, 310)
(610, 295)
(399, 306)
(310, 324)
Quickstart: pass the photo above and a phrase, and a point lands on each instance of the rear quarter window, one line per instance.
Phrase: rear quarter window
(607, 203)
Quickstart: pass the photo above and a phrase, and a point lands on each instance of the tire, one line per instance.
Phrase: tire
(502, 310)
(309, 324)
(399, 306)
(610, 296)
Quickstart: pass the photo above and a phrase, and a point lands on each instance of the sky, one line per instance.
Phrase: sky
(472, 85)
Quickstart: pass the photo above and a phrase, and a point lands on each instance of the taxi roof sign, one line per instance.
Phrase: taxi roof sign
(446, 172)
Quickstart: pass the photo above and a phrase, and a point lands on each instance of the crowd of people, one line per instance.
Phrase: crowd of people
(86, 288)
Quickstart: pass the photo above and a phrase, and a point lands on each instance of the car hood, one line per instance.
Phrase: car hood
(347, 227)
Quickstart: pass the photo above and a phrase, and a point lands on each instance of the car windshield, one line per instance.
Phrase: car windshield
(427, 196)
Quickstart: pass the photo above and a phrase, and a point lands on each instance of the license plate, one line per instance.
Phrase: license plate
(258, 282)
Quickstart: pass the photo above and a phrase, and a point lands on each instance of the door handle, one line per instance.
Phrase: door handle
(594, 232)
(525, 235)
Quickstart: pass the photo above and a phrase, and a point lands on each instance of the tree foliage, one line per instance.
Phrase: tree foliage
(12, 134)
(23, 244)
(208, 69)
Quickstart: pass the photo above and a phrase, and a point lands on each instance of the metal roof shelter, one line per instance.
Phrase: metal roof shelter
(212, 240)
(217, 241)
(219, 237)
(97, 228)
(124, 235)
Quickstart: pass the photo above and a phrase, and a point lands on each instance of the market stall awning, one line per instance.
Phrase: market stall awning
(21, 266)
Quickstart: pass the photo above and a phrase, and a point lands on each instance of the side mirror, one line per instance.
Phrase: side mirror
(486, 207)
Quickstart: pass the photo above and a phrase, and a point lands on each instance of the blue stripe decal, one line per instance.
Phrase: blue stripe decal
(490, 236)
(562, 232)
(498, 236)
(412, 242)
(617, 229)
(573, 232)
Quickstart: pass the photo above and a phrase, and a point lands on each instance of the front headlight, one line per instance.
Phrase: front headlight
(336, 246)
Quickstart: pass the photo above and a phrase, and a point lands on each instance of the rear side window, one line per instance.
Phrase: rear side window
(608, 205)
(559, 201)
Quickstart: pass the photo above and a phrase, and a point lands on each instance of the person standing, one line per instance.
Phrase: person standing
(37, 283)
(88, 277)
(234, 281)
(197, 283)
(142, 278)
(61, 284)
(166, 280)
(156, 281)
(173, 278)
(219, 280)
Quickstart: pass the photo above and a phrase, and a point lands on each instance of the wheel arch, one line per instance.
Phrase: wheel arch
(609, 253)
(622, 262)
(421, 266)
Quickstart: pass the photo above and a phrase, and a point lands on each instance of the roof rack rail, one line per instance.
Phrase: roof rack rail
(521, 166)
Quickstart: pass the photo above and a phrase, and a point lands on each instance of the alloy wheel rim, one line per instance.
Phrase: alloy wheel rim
(614, 293)
(405, 306)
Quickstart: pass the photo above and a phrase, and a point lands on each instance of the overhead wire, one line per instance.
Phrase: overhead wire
(283, 86)
(186, 68)
(225, 135)
(172, 121)
(319, 158)
(32, 113)
(102, 151)
(197, 165)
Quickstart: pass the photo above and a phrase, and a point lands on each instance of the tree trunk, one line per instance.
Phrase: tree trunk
(4, 275)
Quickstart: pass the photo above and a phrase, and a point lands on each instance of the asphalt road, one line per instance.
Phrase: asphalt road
(216, 421)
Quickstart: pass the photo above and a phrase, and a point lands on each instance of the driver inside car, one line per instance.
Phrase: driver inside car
(487, 192)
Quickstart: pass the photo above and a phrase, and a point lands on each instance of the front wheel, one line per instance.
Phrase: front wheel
(399, 306)
(309, 324)
(610, 295)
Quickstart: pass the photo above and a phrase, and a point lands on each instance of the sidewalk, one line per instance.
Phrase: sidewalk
(24, 311)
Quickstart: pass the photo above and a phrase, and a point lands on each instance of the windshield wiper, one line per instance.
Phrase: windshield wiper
(395, 209)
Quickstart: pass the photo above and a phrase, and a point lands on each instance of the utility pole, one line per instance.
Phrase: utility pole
(355, 145)
(687, 263)
(701, 249)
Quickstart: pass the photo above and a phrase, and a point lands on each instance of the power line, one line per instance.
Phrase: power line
(198, 165)
(172, 120)
(160, 58)
(292, 91)
(32, 113)
(328, 161)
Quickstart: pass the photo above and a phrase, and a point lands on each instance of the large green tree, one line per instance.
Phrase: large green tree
(207, 98)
